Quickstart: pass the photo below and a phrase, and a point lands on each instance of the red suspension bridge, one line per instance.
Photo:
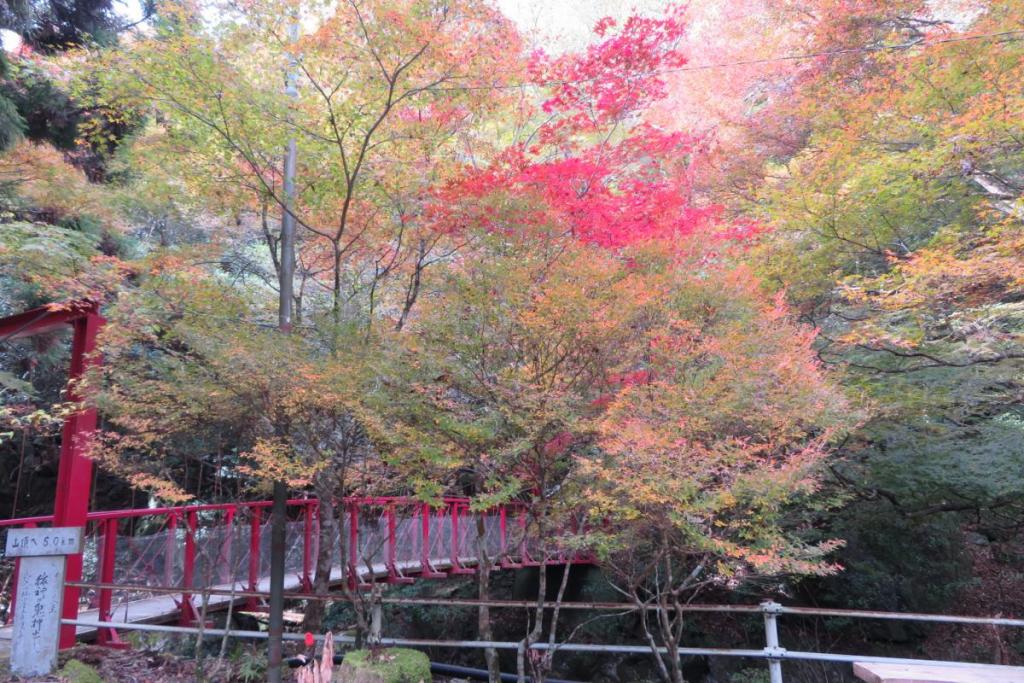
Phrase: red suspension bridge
(148, 565)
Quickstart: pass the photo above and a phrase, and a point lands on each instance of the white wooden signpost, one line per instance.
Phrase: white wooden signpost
(39, 593)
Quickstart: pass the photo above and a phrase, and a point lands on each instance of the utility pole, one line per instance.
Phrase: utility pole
(279, 520)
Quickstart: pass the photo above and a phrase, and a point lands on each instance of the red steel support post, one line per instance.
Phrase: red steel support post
(453, 544)
(457, 568)
(170, 548)
(525, 559)
(425, 539)
(255, 527)
(506, 561)
(392, 555)
(188, 612)
(74, 474)
(307, 547)
(353, 546)
(393, 575)
(108, 558)
(226, 559)
(316, 534)
(426, 568)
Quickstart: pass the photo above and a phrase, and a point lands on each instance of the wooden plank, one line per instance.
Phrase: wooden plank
(905, 673)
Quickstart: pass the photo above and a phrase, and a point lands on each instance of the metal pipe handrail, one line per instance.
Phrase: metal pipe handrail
(579, 605)
(767, 653)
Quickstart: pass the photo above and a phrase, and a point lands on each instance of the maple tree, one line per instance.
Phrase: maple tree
(911, 200)
(565, 280)
(682, 411)
(522, 381)
(571, 243)
(493, 399)
(894, 210)
(387, 93)
(717, 426)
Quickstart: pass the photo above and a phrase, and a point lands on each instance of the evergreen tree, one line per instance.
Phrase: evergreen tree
(55, 25)
(12, 125)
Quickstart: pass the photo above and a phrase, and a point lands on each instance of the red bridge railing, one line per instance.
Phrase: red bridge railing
(226, 546)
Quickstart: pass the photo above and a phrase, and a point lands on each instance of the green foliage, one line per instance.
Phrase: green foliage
(758, 675)
(35, 258)
(12, 125)
(47, 110)
(250, 664)
(36, 102)
(899, 226)
(894, 563)
(391, 665)
(9, 382)
(978, 461)
(77, 672)
(57, 25)
(192, 374)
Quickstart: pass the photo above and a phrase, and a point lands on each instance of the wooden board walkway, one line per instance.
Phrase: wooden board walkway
(906, 673)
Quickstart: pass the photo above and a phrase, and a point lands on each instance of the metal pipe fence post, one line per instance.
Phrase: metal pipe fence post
(773, 651)
(108, 557)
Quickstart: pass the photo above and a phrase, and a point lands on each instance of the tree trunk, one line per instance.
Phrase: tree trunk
(336, 291)
(525, 653)
(546, 662)
(327, 537)
(648, 636)
(485, 628)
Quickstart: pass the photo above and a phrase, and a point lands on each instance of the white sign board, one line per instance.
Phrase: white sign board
(40, 593)
(40, 542)
(37, 616)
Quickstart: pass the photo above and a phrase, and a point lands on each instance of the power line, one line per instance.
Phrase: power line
(766, 60)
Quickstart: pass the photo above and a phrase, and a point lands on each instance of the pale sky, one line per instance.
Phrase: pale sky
(567, 24)
(557, 24)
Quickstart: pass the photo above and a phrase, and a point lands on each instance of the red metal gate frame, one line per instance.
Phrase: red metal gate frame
(74, 474)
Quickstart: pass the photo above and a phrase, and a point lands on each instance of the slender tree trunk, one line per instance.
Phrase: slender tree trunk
(547, 661)
(672, 648)
(485, 627)
(336, 290)
(649, 637)
(537, 630)
(350, 587)
(326, 535)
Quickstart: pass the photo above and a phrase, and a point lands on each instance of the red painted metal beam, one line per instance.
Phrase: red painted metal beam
(255, 528)
(108, 559)
(74, 474)
(44, 319)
